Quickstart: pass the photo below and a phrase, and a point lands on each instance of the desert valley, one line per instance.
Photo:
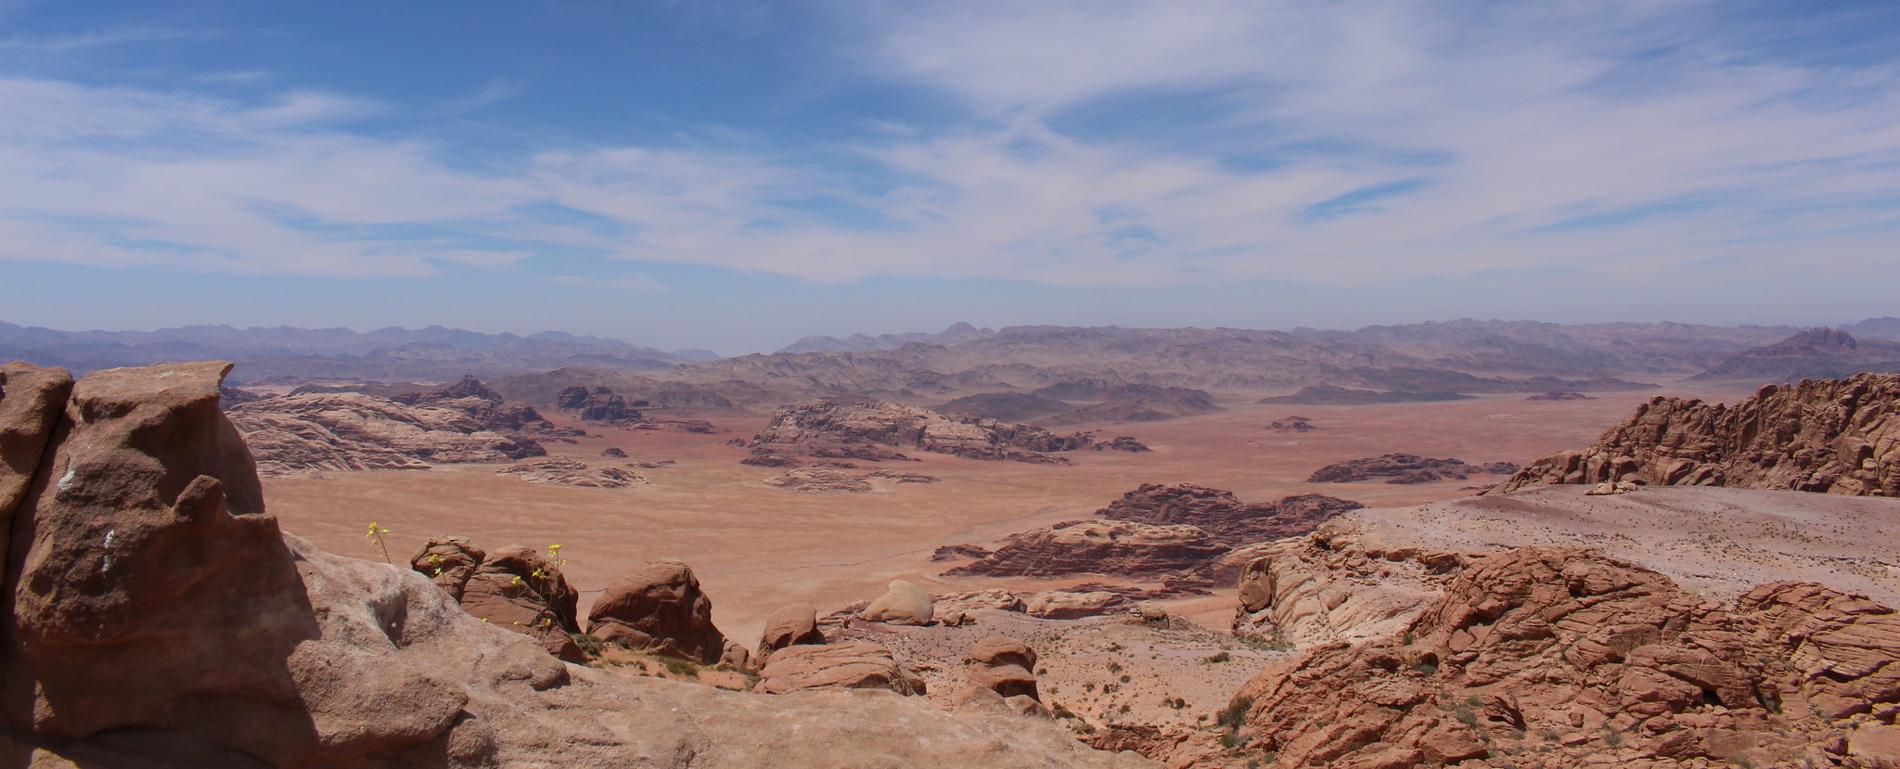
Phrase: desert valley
(1182, 547)
(964, 384)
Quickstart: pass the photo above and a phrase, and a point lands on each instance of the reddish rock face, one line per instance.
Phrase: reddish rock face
(514, 587)
(1221, 514)
(1548, 657)
(660, 608)
(1098, 547)
(791, 625)
(351, 431)
(1003, 665)
(487, 407)
(157, 601)
(1835, 436)
(1405, 468)
(837, 666)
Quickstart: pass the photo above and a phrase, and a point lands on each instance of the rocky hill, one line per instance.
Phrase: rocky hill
(876, 430)
(294, 434)
(1174, 530)
(1838, 436)
(1821, 353)
(1554, 657)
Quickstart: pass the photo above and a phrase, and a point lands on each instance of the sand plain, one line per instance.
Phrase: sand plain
(756, 547)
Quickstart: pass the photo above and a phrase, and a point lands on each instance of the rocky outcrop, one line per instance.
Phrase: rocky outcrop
(31, 400)
(1550, 657)
(1292, 425)
(157, 617)
(1121, 443)
(826, 480)
(1123, 548)
(791, 625)
(351, 431)
(1003, 665)
(600, 404)
(1405, 468)
(903, 603)
(659, 608)
(1560, 395)
(875, 430)
(1835, 436)
(1221, 515)
(487, 407)
(514, 587)
(1327, 587)
(1073, 604)
(573, 472)
(837, 666)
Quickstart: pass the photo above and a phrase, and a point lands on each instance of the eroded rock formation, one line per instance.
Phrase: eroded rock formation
(1551, 657)
(1837, 436)
(875, 430)
(351, 431)
(823, 480)
(1222, 515)
(573, 472)
(837, 666)
(1405, 468)
(1111, 547)
(659, 608)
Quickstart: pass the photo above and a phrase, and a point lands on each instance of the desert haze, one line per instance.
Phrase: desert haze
(1158, 385)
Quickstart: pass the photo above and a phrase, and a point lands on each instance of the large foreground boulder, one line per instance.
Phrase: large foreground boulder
(659, 608)
(157, 618)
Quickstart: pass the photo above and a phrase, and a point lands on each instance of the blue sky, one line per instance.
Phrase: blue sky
(733, 175)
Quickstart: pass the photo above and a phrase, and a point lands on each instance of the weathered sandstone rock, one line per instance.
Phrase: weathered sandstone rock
(873, 430)
(1098, 547)
(659, 608)
(903, 604)
(1550, 657)
(351, 431)
(1003, 665)
(1405, 468)
(836, 666)
(1838, 436)
(791, 625)
(573, 472)
(1221, 515)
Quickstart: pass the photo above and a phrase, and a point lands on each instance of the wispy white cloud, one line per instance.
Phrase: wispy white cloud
(62, 44)
(1338, 143)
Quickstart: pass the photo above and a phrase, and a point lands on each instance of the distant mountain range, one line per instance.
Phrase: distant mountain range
(957, 333)
(387, 354)
(1460, 356)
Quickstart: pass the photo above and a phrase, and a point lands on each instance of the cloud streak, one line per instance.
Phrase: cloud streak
(1341, 144)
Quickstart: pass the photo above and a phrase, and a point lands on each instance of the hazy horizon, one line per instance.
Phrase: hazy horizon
(735, 175)
(529, 332)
